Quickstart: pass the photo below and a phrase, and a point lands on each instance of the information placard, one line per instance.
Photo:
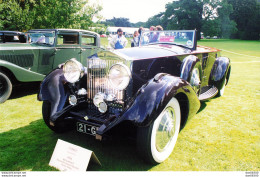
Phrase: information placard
(70, 157)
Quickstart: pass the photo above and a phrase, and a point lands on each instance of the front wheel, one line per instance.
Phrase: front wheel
(5, 87)
(59, 126)
(156, 142)
(222, 89)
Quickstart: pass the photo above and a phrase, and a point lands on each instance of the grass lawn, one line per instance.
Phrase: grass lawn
(222, 136)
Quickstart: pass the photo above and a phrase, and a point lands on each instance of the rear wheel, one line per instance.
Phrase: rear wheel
(5, 87)
(59, 126)
(156, 142)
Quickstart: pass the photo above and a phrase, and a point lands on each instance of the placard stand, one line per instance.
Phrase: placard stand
(70, 157)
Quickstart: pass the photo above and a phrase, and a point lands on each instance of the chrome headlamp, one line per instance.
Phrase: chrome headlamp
(99, 102)
(98, 98)
(73, 70)
(119, 76)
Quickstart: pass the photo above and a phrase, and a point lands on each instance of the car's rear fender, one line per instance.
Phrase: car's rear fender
(220, 71)
(152, 98)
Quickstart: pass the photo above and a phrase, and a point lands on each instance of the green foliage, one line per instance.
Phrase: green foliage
(211, 27)
(184, 14)
(119, 22)
(139, 24)
(122, 22)
(225, 18)
(99, 28)
(247, 16)
(23, 15)
(156, 20)
(16, 15)
(228, 27)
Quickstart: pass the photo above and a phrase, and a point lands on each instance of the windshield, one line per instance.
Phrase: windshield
(184, 38)
(42, 38)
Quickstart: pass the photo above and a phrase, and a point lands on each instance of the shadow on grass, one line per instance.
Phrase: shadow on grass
(25, 89)
(31, 148)
(203, 105)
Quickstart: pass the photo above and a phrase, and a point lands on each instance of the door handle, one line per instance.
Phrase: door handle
(55, 51)
(81, 50)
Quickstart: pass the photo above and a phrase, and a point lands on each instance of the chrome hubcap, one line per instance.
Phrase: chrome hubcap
(195, 79)
(166, 129)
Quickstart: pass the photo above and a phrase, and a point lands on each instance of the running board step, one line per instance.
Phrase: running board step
(208, 92)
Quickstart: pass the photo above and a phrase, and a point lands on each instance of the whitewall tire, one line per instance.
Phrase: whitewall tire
(156, 142)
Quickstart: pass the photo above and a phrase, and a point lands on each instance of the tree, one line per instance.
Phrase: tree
(138, 24)
(16, 15)
(228, 27)
(27, 14)
(184, 14)
(209, 16)
(64, 14)
(119, 22)
(211, 27)
(246, 15)
(156, 20)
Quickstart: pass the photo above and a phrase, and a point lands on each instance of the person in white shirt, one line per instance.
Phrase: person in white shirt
(118, 41)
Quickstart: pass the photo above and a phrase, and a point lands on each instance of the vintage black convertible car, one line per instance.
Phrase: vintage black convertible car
(155, 88)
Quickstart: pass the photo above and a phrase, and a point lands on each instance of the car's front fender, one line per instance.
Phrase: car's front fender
(220, 71)
(152, 98)
(52, 90)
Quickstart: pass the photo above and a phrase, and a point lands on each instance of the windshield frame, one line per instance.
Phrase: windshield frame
(194, 38)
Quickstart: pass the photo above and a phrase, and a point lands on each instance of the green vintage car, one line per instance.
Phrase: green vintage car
(44, 51)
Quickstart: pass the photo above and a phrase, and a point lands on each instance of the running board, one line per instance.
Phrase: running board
(208, 92)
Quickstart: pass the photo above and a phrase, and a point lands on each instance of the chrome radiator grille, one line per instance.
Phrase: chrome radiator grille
(98, 82)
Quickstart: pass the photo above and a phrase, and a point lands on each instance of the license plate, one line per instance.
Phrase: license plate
(85, 128)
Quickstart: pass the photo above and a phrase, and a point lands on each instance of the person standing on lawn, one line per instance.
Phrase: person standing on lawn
(135, 40)
(119, 41)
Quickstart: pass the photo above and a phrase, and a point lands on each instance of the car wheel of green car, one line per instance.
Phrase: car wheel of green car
(5, 87)
(156, 142)
(59, 126)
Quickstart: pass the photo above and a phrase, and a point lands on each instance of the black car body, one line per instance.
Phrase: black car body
(155, 87)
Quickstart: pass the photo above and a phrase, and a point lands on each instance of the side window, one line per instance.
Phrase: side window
(11, 38)
(1, 38)
(64, 39)
(88, 40)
